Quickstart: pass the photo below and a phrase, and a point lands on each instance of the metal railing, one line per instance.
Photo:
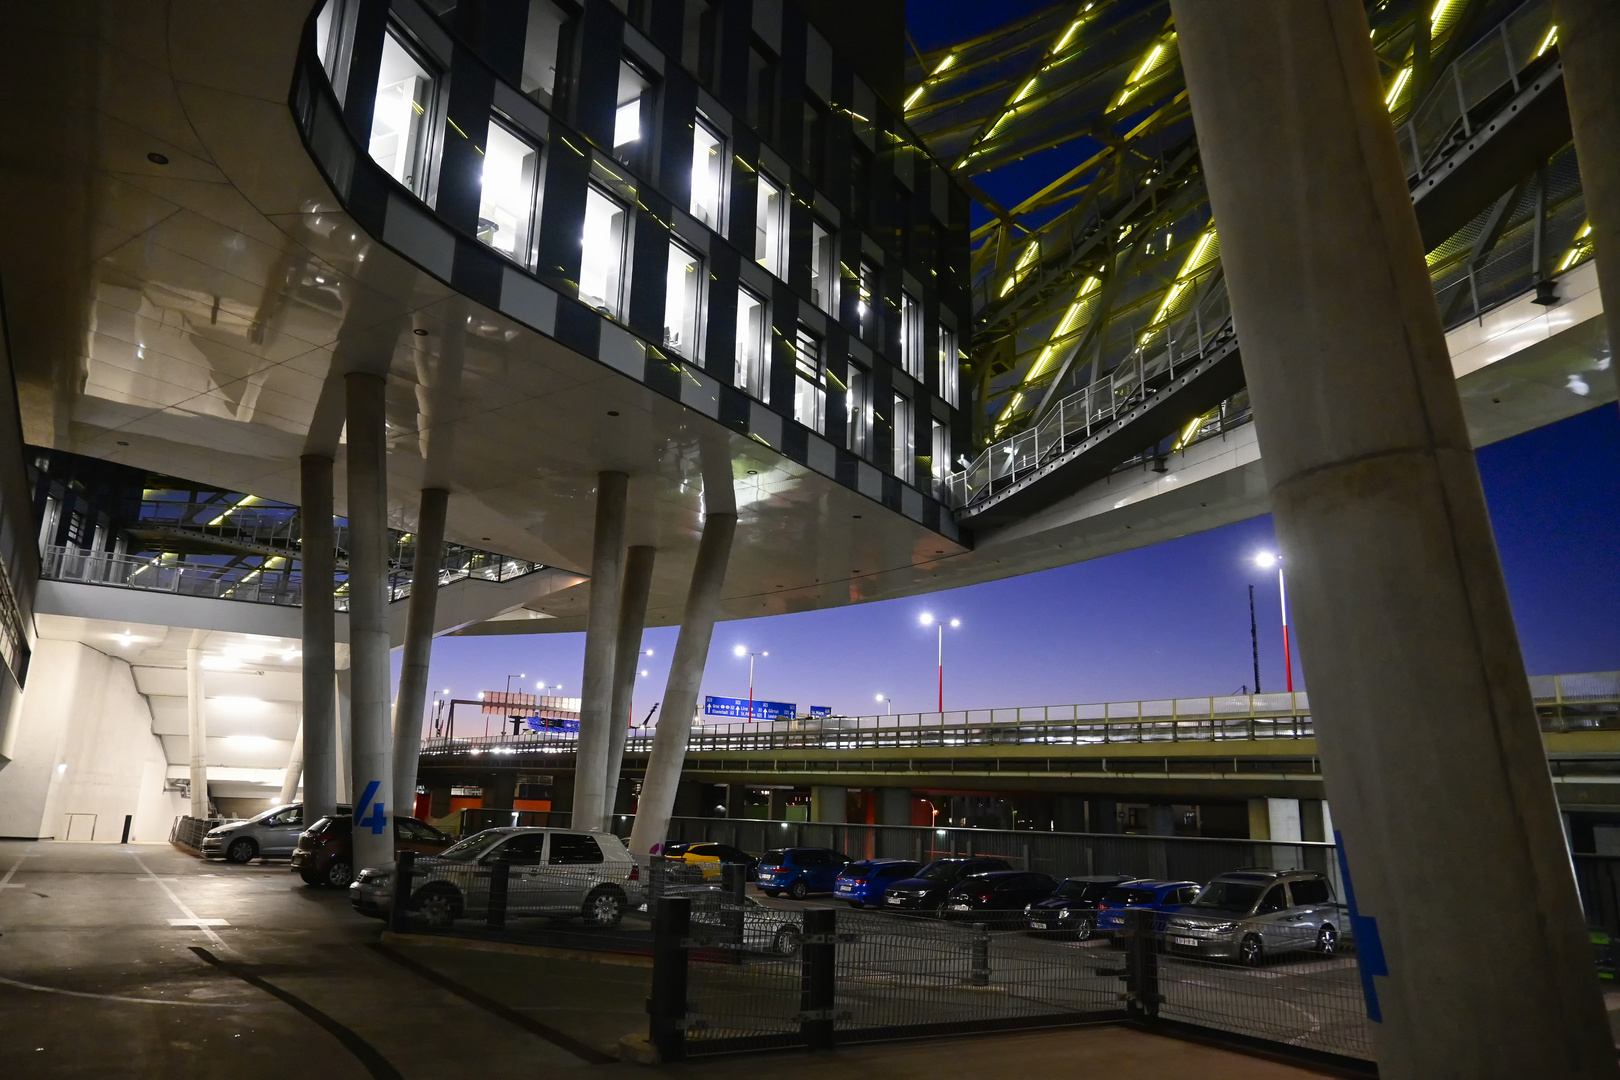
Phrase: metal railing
(1524, 40)
(246, 583)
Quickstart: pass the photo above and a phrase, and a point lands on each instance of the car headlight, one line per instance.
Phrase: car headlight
(379, 878)
(1064, 913)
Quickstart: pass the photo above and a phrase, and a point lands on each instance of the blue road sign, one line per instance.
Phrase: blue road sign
(821, 710)
(738, 708)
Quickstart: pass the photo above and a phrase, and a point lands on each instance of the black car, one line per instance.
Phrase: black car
(700, 851)
(997, 898)
(926, 891)
(1071, 911)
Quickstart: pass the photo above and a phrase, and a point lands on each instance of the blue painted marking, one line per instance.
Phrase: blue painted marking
(1369, 949)
(378, 820)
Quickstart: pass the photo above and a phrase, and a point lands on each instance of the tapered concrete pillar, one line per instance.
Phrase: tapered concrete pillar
(413, 669)
(1417, 684)
(601, 633)
(1589, 45)
(633, 593)
(197, 725)
(342, 681)
(318, 560)
(295, 770)
(685, 676)
(372, 768)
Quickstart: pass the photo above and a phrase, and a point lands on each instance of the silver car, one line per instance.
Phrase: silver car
(1246, 914)
(556, 872)
(764, 929)
(274, 832)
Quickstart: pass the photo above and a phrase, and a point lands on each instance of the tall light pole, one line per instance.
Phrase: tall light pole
(1265, 561)
(742, 650)
(928, 619)
(887, 701)
(438, 710)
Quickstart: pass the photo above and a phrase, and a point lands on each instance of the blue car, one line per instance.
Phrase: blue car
(799, 871)
(865, 882)
(1161, 896)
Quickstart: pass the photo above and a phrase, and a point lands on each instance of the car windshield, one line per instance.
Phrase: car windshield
(1083, 890)
(773, 858)
(274, 810)
(1228, 895)
(943, 870)
(473, 846)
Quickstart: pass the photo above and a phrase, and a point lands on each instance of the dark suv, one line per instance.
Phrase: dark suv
(997, 898)
(926, 891)
(1071, 911)
(799, 871)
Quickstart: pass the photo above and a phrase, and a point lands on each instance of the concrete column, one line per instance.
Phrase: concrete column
(829, 804)
(372, 767)
(601, 633)
(1588, 43)
(318, 559)
(500, 791)
(413, 670)
(295, 769)
(197, 725)
(685, 676)
(777, 801)
(1259, 819)
(894, 806)
(635, 588)
(342, 684)
(1417, 683)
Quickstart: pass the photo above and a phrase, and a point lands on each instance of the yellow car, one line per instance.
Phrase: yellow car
(711, 857)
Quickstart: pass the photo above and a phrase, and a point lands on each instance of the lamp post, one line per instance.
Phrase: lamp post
(928, 619)
(438, 710)
(742, 650)
(887, 702)
(1265, 561)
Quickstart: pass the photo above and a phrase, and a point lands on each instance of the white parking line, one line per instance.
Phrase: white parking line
(191, 917)
(115, 997)
(5, 882)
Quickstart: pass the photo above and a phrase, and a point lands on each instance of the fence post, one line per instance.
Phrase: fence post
(731, 912)
(1141, 965)
(666, 1008)
(500, 873)
(818, 980)
(399, 909)
(979, 967)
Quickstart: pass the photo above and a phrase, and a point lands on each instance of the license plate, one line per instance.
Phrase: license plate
(1036, 924)
(960, 907)
(1190, 941)
(893, 900)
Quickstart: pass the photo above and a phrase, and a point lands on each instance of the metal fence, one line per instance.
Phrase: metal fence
(249, 584)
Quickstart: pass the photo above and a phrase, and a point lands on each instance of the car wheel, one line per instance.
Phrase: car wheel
(440, 906)
(1250, 951)
(786, 942)
(604, 908)
(309, 876)
(1085, 928)
(856, 904)
(772, 893)
(339, 874)
(242, 850)
(799, 890)
(1327, 940)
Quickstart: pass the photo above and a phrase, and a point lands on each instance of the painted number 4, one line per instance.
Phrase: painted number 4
(377, 820)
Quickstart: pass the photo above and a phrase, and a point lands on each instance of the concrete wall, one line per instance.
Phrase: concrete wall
(85, 748)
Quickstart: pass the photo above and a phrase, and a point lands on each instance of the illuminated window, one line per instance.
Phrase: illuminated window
(858, 409)
(866, 304)
(506, 201)
(399, 118)
(911, 335)
(542, 43)
(904, 452)
(630, 113)
(708, 174)
(809, 383)
(601, 273)
(770, 225)
(948, 366)
(753, 346)
(940, 447)
(682, 291)
(822, 272)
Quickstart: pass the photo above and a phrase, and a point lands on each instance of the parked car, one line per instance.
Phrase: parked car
(274, 832)
(1160, 896)
(702, 853)
(1071, 911)
(799, 871)
(325, 852)
(1246, 914)
(865, 882)
(927, 890)
(997, 898)
(765, 929)
(556, 872)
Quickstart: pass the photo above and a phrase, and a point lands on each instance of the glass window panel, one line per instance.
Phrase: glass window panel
(940, 452)
(911, 335)
(708, 174)
(866, 304)
(948, 369)
(506, 202)
(858, 407)
(904, 454)
(627, 117)
(681, 289)
(324, 22)
(809, 384)
(399, 119)
(753, 356)
(540, 51)
(770, 225)
(601, 273)
(821, 268)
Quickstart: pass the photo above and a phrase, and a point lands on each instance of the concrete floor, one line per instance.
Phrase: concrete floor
(142, 961)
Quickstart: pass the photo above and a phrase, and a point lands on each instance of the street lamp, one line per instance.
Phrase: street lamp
(1265, 561)
(742, 650)
(928, 619)
(438, 710)
(887, 702)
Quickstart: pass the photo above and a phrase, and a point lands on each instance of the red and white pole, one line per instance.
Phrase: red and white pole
(1288, 660)
(942, 666)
